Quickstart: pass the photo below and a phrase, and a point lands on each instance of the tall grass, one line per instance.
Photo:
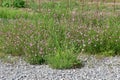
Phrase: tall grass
(58, 32)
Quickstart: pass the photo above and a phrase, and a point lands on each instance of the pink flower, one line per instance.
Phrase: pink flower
(31, 44)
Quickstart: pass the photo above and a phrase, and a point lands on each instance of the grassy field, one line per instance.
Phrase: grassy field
(55, 33)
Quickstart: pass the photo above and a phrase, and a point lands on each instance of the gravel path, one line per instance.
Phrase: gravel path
(94, 69)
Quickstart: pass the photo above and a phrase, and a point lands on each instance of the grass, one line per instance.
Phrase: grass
(63, 60)
(12, 13)
(59, 32)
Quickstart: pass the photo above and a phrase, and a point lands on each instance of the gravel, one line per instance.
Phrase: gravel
(94, 69)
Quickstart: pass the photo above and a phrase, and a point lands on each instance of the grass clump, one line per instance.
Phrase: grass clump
(13, 3)
(35, 59)
(19, 3)
(6, 3)
(63, 60)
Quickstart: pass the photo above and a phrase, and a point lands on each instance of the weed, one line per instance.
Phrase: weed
(63, 60)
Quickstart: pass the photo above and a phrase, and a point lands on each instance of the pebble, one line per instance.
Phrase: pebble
(94, 69)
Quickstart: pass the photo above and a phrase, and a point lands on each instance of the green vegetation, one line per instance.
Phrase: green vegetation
(63, 60)
(57, 33)
(7, 13)
(13, 3)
